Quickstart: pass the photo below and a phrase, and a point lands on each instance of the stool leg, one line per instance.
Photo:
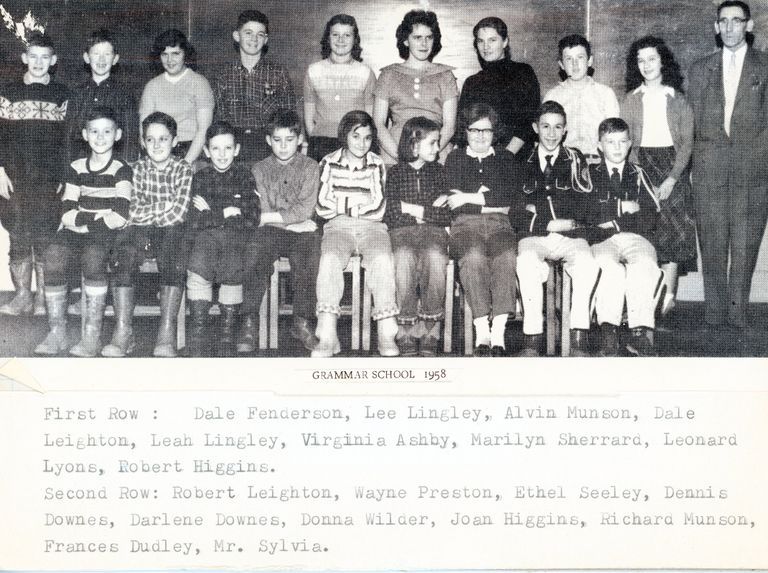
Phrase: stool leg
(274, 314)
(263, 328)
(551, 315)
(356, 303)
(565, 344)
(468, 332)
(448, 321)
(367, 303)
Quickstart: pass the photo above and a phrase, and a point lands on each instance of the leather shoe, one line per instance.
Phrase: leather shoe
(482, 351)
(300, 331)
(407, 345)
(609, 340)
(498, 351)
(428, 346)
(531, 346)
(641, 342)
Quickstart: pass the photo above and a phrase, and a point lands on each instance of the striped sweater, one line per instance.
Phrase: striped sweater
(356, 192)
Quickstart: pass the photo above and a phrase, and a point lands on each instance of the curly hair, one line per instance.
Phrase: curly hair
(501, 29)
(172, 39)
(346, 20)
(671, 75)
(410, 21)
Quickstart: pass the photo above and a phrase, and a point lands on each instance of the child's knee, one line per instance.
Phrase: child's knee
(199, 288)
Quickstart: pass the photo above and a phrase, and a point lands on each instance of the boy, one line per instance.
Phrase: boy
(101, 88)
(96, 201)
(32, 114)
(225, 206)
(288, 183)
(627, 259)
(586, 102)
(559, 203)
(161, 189)
(249, 90)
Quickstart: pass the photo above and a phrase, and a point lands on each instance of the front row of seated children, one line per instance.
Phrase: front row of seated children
(508, 216)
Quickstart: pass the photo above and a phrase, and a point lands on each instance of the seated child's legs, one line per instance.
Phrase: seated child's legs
(433, 258)
(261, 251)
(94, 261)
(198, 287)
(171, 256)
(532, 271)
(337, 246)
(376, 251)
(502, 252)
(404, 251)
(304, 256)
(644, 280)
(584, 271)
(58, 256)
(468, 247)
(124, 262)
(609, 296)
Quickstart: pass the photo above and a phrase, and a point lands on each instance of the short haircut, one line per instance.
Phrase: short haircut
(220, 127)
(414, 130)
(284, 119)
(351, 121)
(101, 112)
(37, 38)
(501, 29)
(347, 20)
(253, 16)
(162, 119)
(98, 37)
(413, 19)
(550, 106)
(171, 39)
(670, 70)
(612, 125)
(735, 4)
(474, 113)
(572, 41)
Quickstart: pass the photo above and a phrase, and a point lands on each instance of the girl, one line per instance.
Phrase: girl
(661, 126)
(180, 92)
(339, 83)
(482, 192)
(419, 238)
(417, 86)
(351, 199)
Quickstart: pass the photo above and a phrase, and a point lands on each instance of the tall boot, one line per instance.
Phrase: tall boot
(56, 340)
(39, 305)
(170, 301)
(386, 329)
(246, 338)
(90, 344)
(227, 321)
(198, 343)
(326, 333)
(22, 302)
(123, 342)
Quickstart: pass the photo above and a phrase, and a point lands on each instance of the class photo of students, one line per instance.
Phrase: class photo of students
(435, 179)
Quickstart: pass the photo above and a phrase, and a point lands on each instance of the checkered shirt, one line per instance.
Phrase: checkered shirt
(160, 196)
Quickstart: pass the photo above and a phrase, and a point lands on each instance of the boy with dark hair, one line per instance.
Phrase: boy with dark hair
(97, 196)
(225, 206)
(288, 183)
(250, 89)
(586, 101)
(32, 114)
(159, 204)
(627, 218)
(559, 205)
(102, 89)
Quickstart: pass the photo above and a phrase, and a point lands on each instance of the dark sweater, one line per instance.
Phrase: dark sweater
(419, 187)
(32, 132)
(235, 187)
(512, 89)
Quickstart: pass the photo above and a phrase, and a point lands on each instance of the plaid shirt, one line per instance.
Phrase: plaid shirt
(160, 196)
(419, 187)
(246, 99)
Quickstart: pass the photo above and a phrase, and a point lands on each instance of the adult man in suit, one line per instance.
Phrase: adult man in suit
(728, 91)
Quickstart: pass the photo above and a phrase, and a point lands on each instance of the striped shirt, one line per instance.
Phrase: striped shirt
(89, 192)
(356, 192)
(160, 196)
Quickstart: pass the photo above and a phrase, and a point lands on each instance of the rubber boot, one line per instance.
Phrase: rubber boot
(123, 342)
(246, 338)
(301, 331)
(198, 343)
(39, 305)
(326, 333)
(90, 344)
(23, 302)
(56, 340)
(227, 321)
(170, 301)
(386, 328)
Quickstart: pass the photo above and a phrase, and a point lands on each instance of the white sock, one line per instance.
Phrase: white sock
(497, 329)
(482, 330)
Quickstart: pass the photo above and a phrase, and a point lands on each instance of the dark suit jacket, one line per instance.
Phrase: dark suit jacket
(742, 158)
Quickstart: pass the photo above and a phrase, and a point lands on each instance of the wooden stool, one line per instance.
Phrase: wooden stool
(276, 308)
(447, 310)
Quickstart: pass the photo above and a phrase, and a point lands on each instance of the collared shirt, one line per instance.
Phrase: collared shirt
(288, 188)
(544, 153)
(481, 156)
(611, 166)
(418, 187)
(160, 196)
(733, 62)
(246, 98)
(585, 107)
